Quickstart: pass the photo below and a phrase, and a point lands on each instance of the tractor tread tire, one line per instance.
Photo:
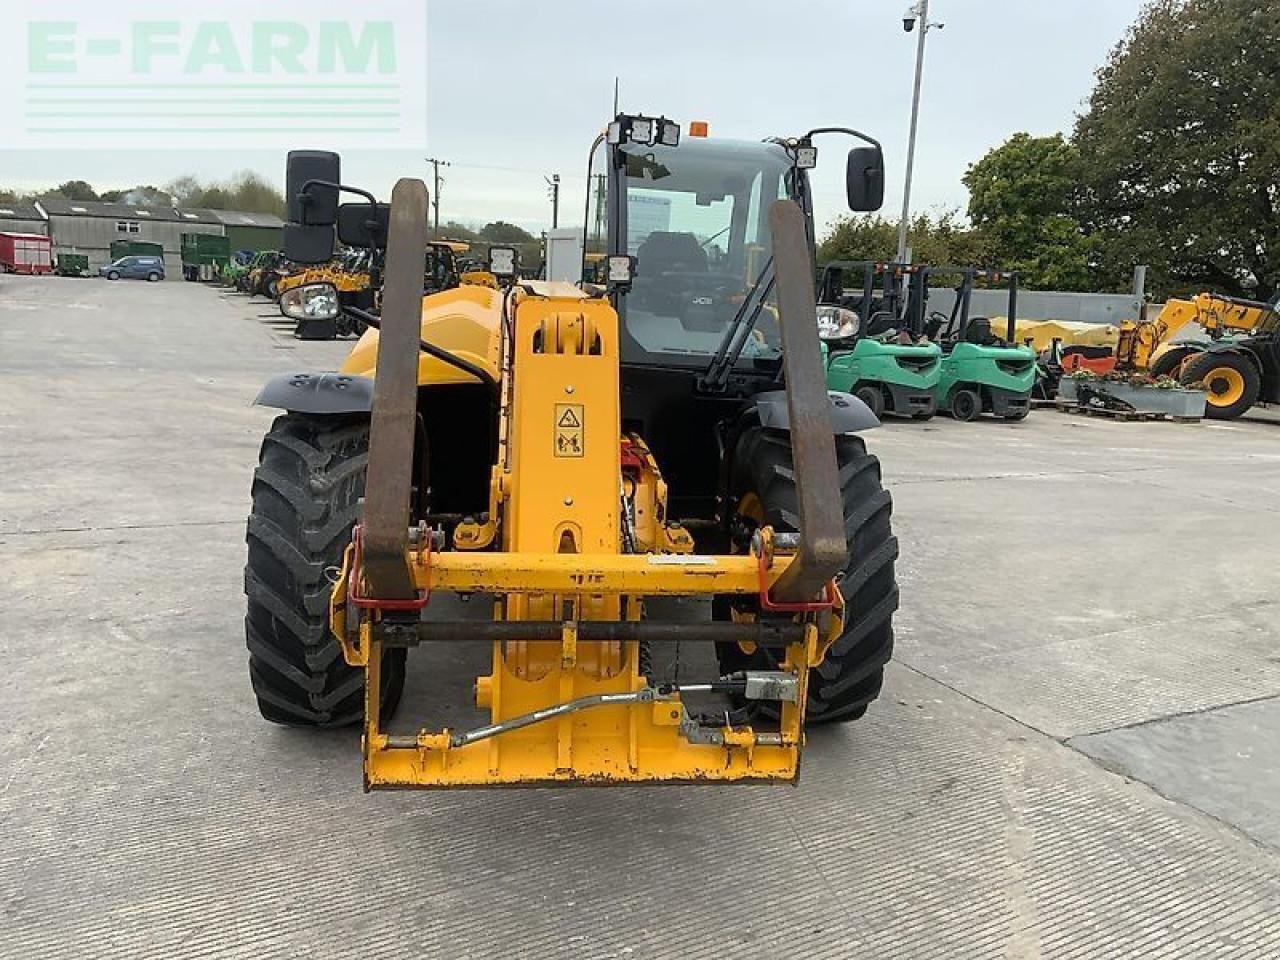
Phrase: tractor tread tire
(850, 677)
(1200, 366)
(306, 495)
(1167, 364)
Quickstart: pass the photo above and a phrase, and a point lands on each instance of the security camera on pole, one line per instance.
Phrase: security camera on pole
(917, 12)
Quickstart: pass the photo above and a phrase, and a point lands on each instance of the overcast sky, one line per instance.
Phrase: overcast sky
(518, 89)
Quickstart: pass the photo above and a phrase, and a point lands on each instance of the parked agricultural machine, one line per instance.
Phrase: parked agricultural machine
(575, 452)
(871, 350)
(1238, 367)
(981, 372)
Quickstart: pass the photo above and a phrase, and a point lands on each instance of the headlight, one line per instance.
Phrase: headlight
(836, 323)
(311, 301)
(642, 131)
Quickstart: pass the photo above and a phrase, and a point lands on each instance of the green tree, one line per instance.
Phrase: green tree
(945, 240)
(502, 232)
(247, 192)
(452, 230)
(1023, 196)
(76, 190)
(252, 193)
(1180, 148)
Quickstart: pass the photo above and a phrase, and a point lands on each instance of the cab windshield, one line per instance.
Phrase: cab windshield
(695, 218)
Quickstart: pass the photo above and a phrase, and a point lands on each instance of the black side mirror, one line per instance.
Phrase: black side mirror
(864, 179)
(310, 203)
(364, 225)
(311, 178)
(308, 244)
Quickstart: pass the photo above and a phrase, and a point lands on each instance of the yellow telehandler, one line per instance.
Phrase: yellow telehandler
(1238, 367)
(574, 454)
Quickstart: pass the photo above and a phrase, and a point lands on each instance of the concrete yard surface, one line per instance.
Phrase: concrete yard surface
(1075, 755)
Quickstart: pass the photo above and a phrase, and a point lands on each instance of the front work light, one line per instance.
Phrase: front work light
(622, 270)
(502, 261)
(312, 301)
(643, 131)
(806, 157)
(836, 323)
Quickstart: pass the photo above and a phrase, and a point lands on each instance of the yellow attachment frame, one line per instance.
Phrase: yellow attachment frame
(569, 702)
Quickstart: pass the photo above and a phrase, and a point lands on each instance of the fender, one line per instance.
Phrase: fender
(1227, 346)
(318, 393)
(848, 413)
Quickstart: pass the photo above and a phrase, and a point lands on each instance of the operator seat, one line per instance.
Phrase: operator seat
(668, 251)
(979, 332)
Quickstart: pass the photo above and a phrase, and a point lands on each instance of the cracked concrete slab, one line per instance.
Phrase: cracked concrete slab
(1224, 761)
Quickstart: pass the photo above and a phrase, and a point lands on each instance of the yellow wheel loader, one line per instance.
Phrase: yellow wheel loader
(571, 457)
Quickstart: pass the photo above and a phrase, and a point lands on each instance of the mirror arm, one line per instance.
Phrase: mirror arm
(305, 198)
(872, 141)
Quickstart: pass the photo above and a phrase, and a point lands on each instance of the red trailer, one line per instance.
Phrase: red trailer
(25, 253)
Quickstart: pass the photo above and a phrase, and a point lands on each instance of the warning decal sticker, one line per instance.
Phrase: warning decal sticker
(568, 433)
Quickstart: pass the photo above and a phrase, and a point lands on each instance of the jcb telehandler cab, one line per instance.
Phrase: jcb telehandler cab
(571, 453)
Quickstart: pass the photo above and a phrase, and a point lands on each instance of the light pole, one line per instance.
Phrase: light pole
(553, 191)
(435, 191)
(920, 12)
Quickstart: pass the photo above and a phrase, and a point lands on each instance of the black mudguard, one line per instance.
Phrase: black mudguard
(848, 413)
(318, 393)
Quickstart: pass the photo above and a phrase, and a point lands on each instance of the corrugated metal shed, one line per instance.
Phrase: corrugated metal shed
(233, 218)
(251, 231)
(90, 227)
(57, 206)
(23, 218)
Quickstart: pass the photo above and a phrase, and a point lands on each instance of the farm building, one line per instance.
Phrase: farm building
(251, 231)
(90, 228)
(22, 218)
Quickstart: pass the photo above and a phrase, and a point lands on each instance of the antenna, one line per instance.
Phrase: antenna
(615, 96)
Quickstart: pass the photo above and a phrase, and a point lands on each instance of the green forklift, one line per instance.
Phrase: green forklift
(871, 349)
(981, 372)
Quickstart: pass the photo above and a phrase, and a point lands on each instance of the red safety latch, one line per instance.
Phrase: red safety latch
(810, 606)
(373, 603)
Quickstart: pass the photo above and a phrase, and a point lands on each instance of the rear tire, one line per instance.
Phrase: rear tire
(306, 494)
(153, 277)
(966, 405)
(873, 397)
(1231, 383)
(851, 675)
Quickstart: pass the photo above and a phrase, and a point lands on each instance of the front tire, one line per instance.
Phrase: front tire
(966, 405)
(113, 275)
(1231, 383)
(1168, 363)
(306, 494)
(852, 674)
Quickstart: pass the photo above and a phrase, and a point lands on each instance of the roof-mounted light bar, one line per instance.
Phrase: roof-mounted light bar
(644, 131)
